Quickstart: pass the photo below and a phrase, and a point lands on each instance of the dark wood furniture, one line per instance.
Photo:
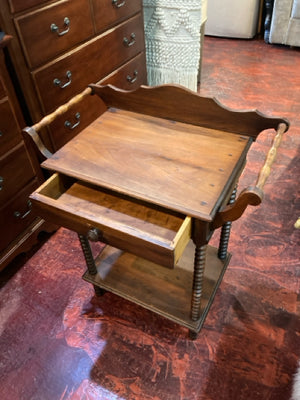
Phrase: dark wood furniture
(153, 177)
(62, 46)
(20, 173)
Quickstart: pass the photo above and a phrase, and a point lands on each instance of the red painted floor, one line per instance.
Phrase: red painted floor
(59, 342)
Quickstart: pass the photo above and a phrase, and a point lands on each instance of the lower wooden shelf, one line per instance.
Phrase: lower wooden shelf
(166, 292)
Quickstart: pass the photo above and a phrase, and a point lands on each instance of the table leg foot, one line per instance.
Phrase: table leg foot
(193, 335)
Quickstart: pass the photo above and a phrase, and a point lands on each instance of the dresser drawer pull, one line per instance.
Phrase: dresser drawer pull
(69, 125)
(54, 28)
(18, 215)
(1, 133)
(1, 181)
(58, 82)
(132, 79)
(117, 4)
(129, 42)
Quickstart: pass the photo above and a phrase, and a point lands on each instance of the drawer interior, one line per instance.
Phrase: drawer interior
(129, 224)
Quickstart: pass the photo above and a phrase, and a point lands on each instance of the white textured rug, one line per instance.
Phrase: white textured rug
(172, 35)
(296, 385)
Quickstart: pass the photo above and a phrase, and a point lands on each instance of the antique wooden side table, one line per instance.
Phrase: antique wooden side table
(152, 178)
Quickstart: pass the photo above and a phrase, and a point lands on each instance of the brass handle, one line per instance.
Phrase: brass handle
(69, 125)
(132, 79)
(18, 215)
(54, 28)
(58, 82)
(116, 3)
(129, 42)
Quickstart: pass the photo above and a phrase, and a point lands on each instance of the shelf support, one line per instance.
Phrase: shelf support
(88, 255)
(199, 266)
(225, 232)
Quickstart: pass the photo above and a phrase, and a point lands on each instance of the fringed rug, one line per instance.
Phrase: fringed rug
(173, 40)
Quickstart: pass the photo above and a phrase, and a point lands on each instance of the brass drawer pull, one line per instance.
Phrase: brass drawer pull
(116, 3)
(54, 28)
(69, 125)
(129, 42)
(58, 82)
(132, 79)
(18, 215)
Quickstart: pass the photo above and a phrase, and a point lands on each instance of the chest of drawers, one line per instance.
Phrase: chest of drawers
(64, 45)
(19, 174)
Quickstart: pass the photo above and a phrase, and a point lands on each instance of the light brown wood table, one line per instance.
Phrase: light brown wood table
(153, 177)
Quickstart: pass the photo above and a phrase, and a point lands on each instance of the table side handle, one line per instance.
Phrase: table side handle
(253, 195)
(48, 119)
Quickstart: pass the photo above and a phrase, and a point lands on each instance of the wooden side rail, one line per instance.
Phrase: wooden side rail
(252, 195)
(33, 130)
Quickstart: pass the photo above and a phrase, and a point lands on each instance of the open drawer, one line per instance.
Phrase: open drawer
(131, 225)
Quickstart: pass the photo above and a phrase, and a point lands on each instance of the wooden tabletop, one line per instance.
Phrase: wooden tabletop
(178, 166)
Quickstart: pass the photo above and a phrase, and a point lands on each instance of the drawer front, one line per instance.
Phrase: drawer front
(16, 216)
(15, 172)
(54, 29)
(68, 125)
(149, 232)
(130, 76)
(20, 5)
(110, 12)
(86, 64)
(9, 131)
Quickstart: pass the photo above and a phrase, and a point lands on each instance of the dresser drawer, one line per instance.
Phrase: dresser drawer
(110, 12)
(152, 233)
(49, 31)
(15, 172)
(20, 5)
(16, 216)
(86, 64)
(2, 90)
(66, 126)
(9, 131)
(130, 76)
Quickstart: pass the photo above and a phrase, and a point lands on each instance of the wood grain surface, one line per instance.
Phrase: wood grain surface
(58, 341)
(178, 166)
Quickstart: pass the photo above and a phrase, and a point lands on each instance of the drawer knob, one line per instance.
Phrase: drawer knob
(118, 4)
(132, 79)
(94, 235)
(1, 133)
(1, 181)
(129, 42)
(58, 82)
(69, 125)
(54, 28)
(19, 215)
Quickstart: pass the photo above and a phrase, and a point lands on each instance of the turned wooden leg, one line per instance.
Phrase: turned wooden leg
(88, 255)
(193, 335)
(199, 265)
(99, 291)
(225, 233)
